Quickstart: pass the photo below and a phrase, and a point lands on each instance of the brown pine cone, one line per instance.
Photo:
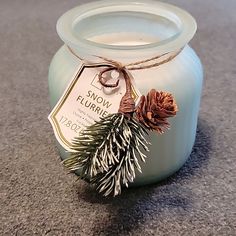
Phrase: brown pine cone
(154, 109)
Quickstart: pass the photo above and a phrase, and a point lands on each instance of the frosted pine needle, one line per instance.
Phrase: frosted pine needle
(109, 153)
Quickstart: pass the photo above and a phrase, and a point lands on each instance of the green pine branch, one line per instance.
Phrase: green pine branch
(108, 152)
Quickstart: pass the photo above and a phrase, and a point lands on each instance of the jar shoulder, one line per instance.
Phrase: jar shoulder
(181, 75)
(185, 72)
(61, 70)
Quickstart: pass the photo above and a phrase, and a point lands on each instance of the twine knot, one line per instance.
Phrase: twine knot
(127, 104)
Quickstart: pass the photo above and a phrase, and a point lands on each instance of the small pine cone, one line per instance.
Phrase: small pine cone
(154, 109)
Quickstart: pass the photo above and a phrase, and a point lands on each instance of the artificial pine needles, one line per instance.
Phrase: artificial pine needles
(109, 152)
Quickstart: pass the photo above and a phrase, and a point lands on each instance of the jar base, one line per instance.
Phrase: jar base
(148, 180)
(160, 178)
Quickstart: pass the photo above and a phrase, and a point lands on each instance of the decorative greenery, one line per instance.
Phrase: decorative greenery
(108, 152)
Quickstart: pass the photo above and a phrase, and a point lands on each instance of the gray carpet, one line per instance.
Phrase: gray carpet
(38, 197)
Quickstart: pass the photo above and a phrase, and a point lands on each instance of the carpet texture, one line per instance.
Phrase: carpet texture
(38, 197)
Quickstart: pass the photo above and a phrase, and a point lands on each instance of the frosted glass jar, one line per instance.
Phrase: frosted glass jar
(130, 31)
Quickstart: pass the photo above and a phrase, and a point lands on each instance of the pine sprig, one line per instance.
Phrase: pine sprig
(88, 149)
(108, 152)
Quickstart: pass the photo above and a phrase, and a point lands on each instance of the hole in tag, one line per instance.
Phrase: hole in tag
(115, 74)
(111, 77)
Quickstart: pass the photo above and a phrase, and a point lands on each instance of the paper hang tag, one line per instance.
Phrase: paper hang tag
(85, 101)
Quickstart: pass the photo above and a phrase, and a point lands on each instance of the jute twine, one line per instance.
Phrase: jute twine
(127, 104)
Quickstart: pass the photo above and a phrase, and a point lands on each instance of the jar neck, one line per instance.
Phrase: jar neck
(126, 30)
(148, 63)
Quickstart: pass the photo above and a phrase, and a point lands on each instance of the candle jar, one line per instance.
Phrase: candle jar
(130, 31)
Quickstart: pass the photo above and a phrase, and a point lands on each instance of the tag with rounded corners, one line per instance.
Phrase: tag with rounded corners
(85, 101)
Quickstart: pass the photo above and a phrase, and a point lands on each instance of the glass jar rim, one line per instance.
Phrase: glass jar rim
(182, 19)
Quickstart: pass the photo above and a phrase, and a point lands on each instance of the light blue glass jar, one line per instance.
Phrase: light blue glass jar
(129, 31)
